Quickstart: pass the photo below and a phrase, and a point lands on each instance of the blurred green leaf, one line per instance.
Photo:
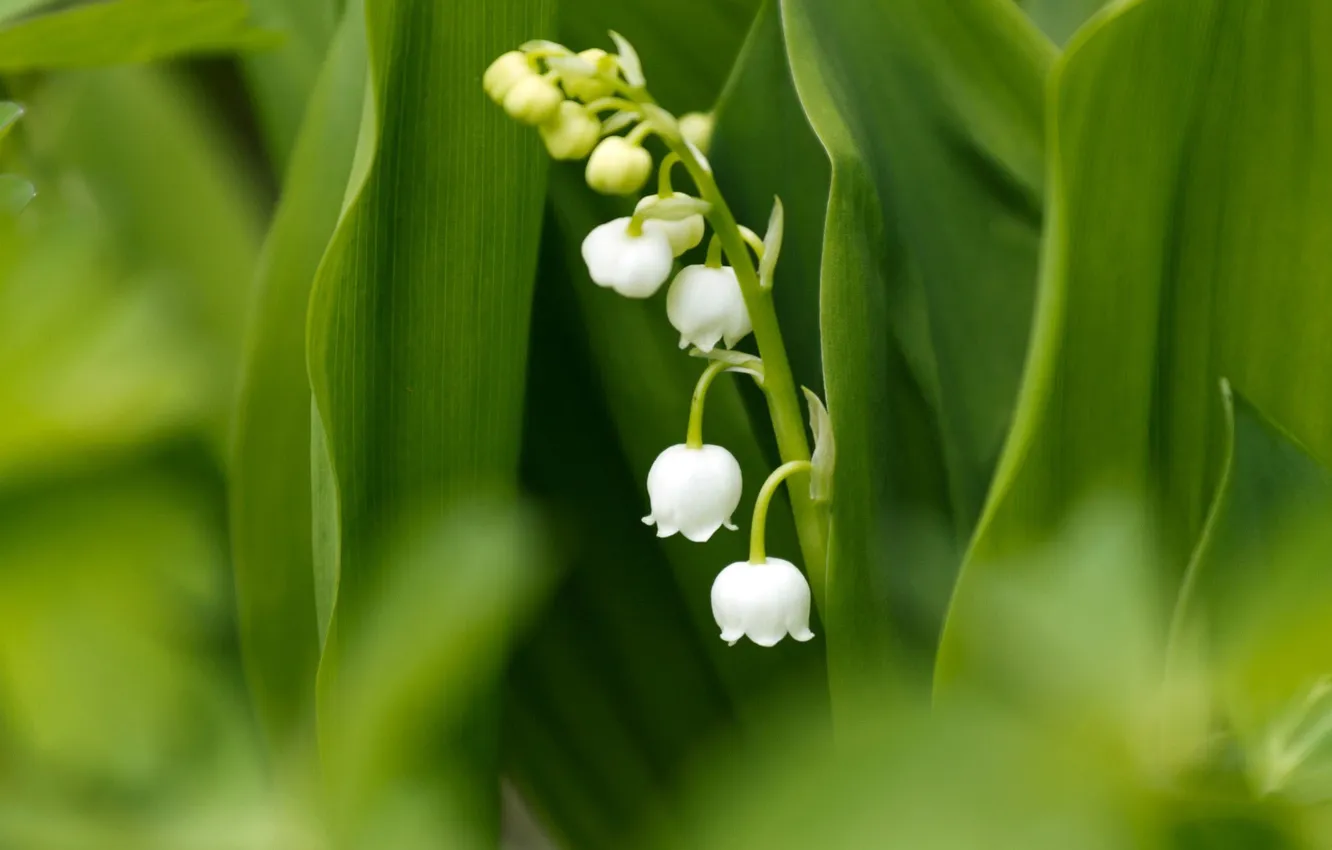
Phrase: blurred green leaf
(93, 359)
(15, 193)
(111, 586)
(420, 314)
(1189, 238)
(1059, 19)
(270, 469)
(432, 644)
(282, 80)
(127, 32)
(1258, 592)
(10, 113)
(174, 202)
(15, 8)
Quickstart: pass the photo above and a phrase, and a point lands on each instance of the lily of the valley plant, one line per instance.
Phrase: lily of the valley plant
(580, 103)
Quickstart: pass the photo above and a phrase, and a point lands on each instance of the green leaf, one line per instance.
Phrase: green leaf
(282, 80)
(270, 463)
(1257, 593)
(10, 113)
(926, 271)
(419, 317)
(1189, 239)
(433, 643)
(686, 47)
(15, 193)
(824, 458)
(1059, 19)
(175, 203)
(16, 8)
(127, 32)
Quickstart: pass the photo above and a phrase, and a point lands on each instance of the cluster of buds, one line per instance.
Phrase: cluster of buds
(693, 488)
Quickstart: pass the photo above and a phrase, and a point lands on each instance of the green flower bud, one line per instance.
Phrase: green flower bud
(696, 127)
(588, 88)
(533, 100)
(618, 167)
(572, 133)
(504, 73)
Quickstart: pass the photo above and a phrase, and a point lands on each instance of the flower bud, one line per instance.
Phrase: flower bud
(533, 100)
(584, 87)
(618, 167)
(706, 306)
(572, 133)
(696, 127)
(764, 602)
(634, 266)
(504, 73)
(693, 491)
(685, 233)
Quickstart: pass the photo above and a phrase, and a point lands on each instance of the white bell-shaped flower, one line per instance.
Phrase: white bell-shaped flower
(706, 306)
(634, 266)
(693, 491)
(764, 602)
(617, 166)
(685, 233)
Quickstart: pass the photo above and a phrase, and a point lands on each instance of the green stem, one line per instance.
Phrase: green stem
(694, 436)
(714, 260)
(758, 528)
(788, 423)
(664, 189)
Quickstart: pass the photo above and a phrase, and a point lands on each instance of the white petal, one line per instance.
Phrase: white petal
(705, 304)
(694, 491)
(634, 266)
(684, 234)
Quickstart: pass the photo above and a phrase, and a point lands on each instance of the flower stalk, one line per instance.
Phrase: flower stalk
(758, 529)
(779, 385)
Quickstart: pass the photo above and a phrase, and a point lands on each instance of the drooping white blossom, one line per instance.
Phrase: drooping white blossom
(618, 167)
(693, 491)
(764, 602)
(685, 233)
(706, 306)
(633, 265)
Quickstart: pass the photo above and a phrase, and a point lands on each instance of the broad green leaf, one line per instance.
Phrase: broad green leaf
(419, 316)
(1059, 19)
(925, 274)
(175, 202)
(1189, 239)
(955, 162)
(127, 32)
(270, 464)
(282, 80)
